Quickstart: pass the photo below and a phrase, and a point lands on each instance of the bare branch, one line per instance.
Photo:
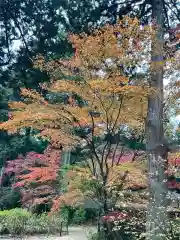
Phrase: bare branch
(119, 111)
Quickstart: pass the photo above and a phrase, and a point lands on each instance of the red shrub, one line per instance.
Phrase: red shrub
(35, 175)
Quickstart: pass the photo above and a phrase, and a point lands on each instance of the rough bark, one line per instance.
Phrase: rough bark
(157, 151)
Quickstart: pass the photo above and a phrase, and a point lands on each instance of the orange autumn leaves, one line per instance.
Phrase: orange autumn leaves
(121, 41)
(77, 191)
(109, 100)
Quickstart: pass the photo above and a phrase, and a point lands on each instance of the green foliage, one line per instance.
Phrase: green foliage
(67, 213)
(170, 233)
(175, 227)
(20, 221)
(13, 221)
(13, 145)
(73, 215)
(43, 224)
(9, 198)
(133, 139)
(91, 185)
(79, 216)
(97, 236)
(4, 97)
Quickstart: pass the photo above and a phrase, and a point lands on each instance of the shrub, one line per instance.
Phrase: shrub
(91, 214)
(123, 225)
(36, 224)
(67, 213)
(9, 198)
(43, 224)
(79, 216)
(20, 221)
(13, 221)
(97, 236)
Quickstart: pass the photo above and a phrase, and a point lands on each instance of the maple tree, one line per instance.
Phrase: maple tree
(112, 98)
(106, 94)
(35, 175)
(82, 185)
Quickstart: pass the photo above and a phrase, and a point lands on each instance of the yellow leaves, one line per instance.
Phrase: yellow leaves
(121, 79)
(56, 120)
(39, 62)
(135, 177)
(104, 86)
(19, 120)
(62, 86)
(33, 95)
(60, 137)
(17, 105)
(97, 83)
(32, 115)
(81, 89)
(115, 42)
(107, 101)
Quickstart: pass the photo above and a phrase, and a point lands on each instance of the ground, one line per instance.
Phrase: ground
(75, 233)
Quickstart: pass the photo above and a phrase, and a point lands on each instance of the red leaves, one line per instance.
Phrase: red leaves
(114, 216)
(174, 161)
(173, 184)
(18, 184)
(45, 173)
(39, 175)
(37, 169)
(18, 165)
(174, 166)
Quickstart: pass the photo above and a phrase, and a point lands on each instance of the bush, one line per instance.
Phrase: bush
(123, 225)
(9, 198)
(43, 224)
(97, 236)
(67, 213)
(79, 216)
(20, 221)
(13, 221)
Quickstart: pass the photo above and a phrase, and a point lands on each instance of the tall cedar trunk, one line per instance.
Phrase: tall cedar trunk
(157, 218)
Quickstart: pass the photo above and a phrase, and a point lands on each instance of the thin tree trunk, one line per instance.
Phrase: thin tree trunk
(157, 152)
(65, 160)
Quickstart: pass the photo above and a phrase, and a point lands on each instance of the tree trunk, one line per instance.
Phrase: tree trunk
(65, 160)
(157, 152)
(66, 156)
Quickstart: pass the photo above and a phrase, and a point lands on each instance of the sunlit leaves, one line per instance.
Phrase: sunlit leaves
(109, 100)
